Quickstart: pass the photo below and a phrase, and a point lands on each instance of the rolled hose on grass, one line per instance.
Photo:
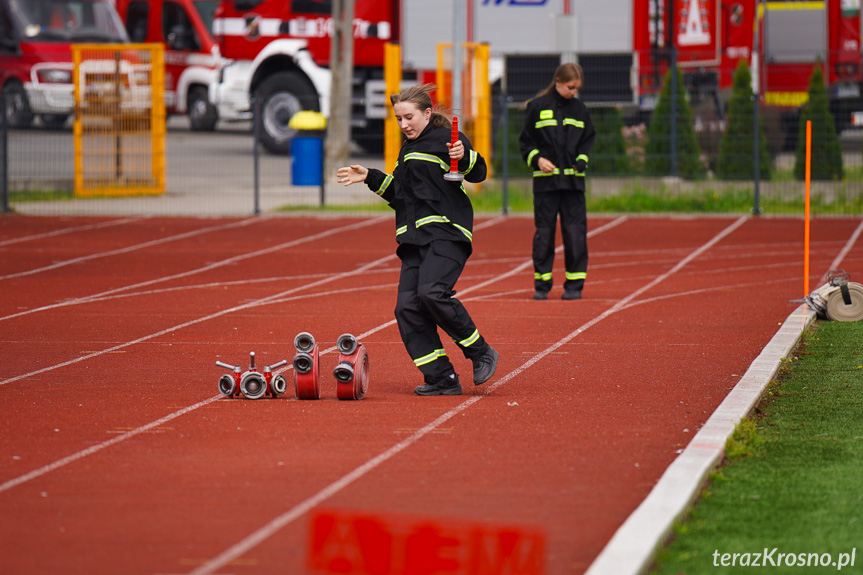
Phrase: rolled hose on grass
(838, 299)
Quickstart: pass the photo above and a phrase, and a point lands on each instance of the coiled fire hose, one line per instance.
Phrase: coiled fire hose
(839, 299)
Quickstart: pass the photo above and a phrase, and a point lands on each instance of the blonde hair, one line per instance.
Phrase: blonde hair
(564, 74)
(420, 96)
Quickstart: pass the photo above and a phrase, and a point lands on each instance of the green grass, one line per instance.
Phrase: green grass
(793, 475)
(634, 198)
(40, 195)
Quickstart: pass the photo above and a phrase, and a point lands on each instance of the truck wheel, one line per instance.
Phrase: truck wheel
(283, 95)
(54, 121)
(18, 113)
(202, 114)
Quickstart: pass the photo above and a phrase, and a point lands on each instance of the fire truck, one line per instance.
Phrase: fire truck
(781, 40)
(191, 55)
(278, 53)
(36, 55)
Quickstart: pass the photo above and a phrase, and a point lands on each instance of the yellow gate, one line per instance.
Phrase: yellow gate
(119, 119)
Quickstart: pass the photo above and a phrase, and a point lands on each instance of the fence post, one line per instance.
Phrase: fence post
(4, 160)
(672, 66)
(756, 208)
(256, 118)
(504, 152)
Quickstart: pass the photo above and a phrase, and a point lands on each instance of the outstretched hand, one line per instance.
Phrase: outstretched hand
(353, 174)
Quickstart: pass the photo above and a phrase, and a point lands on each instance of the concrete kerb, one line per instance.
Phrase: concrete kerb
(632, 549)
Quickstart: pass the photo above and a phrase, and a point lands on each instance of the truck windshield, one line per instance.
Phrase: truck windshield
(67, 21)
(206, 9)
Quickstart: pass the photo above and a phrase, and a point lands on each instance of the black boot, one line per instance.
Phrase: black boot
(448, 385)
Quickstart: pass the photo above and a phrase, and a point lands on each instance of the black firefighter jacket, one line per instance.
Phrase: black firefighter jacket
(561, 131)
(427, 206)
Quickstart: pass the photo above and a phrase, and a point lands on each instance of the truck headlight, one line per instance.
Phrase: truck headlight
(54, 76)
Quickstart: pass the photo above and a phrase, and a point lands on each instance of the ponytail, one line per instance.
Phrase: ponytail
(420, 96)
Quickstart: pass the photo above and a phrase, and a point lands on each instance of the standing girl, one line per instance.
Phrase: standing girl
(555, 143)
(434, 230)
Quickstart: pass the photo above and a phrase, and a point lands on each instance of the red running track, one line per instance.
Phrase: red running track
(118, 455)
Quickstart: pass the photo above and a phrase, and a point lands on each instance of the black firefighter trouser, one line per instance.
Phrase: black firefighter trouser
(425, 301)
(570, 204)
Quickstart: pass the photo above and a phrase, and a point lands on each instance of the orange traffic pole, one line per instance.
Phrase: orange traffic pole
(806, 217)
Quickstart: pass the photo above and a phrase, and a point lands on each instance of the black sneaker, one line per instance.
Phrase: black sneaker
(484, 366)
(447, 386)
(571, 294)
(540, 294)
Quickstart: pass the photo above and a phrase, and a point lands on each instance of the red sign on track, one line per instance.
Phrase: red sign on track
(342, 542)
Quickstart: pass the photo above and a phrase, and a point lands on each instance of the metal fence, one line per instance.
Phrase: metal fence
(225, 173)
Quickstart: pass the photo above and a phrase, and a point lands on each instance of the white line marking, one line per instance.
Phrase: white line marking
(69, 231)
(251, 304)
(208, 267)
(74, 457)
(268, 530)
(633, 546)
(129, 248)
(99, 447)
(844, 252)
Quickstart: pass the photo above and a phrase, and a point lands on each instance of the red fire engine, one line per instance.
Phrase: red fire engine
(36, 55)
(713, 36)
(278, 52)
(191, 55)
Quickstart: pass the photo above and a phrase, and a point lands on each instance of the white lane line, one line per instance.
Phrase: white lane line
(208, 267)
(844, 251)
(262, 301)
(104, 445)
(633, 546)
(128, 249)
(270, 299)
(272, 527)
(70, 230)
(248, 305)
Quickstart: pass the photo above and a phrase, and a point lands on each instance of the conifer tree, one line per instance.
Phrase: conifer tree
(826, 160)
(608, 155)
(657, 160)
(737, 147)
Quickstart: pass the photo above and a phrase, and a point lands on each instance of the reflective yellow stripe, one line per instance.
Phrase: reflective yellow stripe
(576, 275)
(443, 220)
(582, 157)
(556, 172)
(531, 155)
(430, 357)
(472, 338)
(401, 230)
(473, 156)
(387, 180)
(545, 124)
(427, 158)
(432, 219)
(542, 277)
(571, 122)
(540, 173)
(465, 231)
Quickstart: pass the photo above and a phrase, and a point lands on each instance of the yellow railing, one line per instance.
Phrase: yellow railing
(119, 124)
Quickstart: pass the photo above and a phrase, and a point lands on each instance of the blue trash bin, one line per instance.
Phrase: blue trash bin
(307, 161)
